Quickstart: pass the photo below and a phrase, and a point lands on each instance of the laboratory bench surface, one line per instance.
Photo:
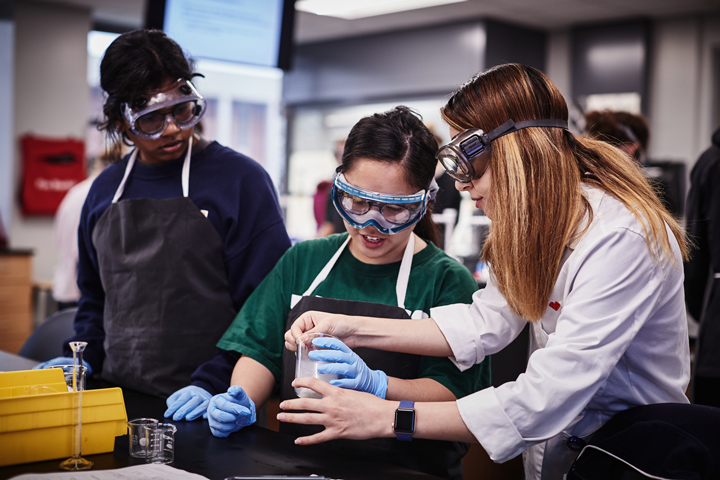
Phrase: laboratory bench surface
(251, 451)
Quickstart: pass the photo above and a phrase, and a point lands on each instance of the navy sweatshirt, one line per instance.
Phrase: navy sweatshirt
(242, 206)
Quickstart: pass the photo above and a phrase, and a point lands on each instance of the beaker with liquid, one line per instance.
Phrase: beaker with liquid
(79, 373)
(307, 367)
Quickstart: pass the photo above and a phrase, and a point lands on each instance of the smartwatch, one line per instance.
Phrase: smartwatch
(404, 425)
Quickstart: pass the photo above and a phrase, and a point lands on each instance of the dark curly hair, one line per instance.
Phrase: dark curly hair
(135, 63)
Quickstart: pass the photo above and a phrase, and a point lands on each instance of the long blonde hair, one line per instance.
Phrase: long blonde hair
(537, 174)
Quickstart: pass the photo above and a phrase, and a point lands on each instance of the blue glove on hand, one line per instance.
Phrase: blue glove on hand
(62, 361)
(188, 403)
(347, 363)
(231, 411)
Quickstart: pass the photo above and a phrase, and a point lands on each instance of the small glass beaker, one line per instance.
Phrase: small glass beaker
(306, 366)
(163, 443)
(141, 436)
(68, 371)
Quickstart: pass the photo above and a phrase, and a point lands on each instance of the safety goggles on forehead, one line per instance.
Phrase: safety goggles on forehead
(467, 156)
(388, 213)
(181, 104)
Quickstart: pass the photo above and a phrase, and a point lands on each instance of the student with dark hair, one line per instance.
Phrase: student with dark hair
(580, 248)
(385, 266)
(624, 130)
(629, 132)
(174, 237)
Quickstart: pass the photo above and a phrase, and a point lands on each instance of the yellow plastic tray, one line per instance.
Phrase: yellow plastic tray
(25, 382)
(34, 428)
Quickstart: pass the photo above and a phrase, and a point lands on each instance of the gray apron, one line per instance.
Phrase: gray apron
(438, 458)
(167, 301)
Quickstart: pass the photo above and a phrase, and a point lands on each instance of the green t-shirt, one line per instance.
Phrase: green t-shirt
(435, 280)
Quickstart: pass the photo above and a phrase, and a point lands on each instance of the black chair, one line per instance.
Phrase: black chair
(46, 342)
(662, 441)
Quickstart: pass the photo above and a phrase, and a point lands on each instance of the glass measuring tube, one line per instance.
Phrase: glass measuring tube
(76, 462)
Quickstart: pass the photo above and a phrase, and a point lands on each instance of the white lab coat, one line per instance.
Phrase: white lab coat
(67, 220)
(614, 336)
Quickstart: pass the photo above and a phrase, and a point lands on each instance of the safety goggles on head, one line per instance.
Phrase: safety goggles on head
(388, 213)
(181, 104)
(467, 156)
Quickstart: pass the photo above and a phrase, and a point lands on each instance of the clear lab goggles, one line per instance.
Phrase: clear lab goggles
(388, 213)
(186, 106)
(467, 156)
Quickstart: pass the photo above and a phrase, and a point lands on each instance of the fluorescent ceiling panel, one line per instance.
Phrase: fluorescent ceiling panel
(353, 9)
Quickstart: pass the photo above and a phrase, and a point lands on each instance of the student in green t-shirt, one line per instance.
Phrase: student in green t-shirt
(385, 266)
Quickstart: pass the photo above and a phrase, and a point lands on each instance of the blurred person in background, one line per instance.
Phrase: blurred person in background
(447, 197)
(174, 237)
(627, 131)
(4, 244)
(702, 272)
(630, 133)
(328, 219)
(67, 220)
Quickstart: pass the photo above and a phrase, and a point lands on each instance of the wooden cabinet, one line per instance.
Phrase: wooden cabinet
(15, 299)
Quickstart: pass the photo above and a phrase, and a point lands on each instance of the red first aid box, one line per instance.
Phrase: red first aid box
(50, 168)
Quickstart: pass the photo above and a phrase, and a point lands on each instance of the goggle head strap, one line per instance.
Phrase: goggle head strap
(457, 156)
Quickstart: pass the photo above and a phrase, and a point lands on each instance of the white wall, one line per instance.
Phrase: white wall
(7, 35)
(558, 61)
(681, 89)
(51, 97)
(709, 86)
(681, 84)
(674, 95)
(228, 82)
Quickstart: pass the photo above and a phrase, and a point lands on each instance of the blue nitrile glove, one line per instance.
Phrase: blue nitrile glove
(358, 375)
(62, 361)
(231, 411)
(188, 403)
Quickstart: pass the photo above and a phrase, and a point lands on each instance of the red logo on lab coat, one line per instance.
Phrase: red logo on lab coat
(555, 306)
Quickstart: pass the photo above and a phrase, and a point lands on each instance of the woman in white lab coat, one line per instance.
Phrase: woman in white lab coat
(580, 247)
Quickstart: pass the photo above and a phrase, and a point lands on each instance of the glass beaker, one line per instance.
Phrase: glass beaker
(140, 437)
(69, 371)
(307, 367)
(163, 443)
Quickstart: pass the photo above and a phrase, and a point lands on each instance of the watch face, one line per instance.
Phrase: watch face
(404, 420)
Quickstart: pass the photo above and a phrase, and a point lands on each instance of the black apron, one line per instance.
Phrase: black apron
(435, 457)
(167, 301)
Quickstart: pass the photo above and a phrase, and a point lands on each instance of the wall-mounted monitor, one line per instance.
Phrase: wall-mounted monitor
(244, 31)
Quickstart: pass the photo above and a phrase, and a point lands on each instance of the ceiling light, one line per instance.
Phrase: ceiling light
(352, 9)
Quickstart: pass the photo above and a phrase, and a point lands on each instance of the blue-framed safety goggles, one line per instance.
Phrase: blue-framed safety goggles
(390, 214)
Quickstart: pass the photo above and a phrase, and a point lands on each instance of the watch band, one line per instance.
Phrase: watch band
(406, 405)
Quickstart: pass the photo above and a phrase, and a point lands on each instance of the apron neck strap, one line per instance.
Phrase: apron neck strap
(131, 163)
(403, 274)
(186, 169)
(326, 269)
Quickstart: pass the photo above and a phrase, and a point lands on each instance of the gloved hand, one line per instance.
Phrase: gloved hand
(188, 403)
(231, 411)
(347, 363)
(62, 361)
